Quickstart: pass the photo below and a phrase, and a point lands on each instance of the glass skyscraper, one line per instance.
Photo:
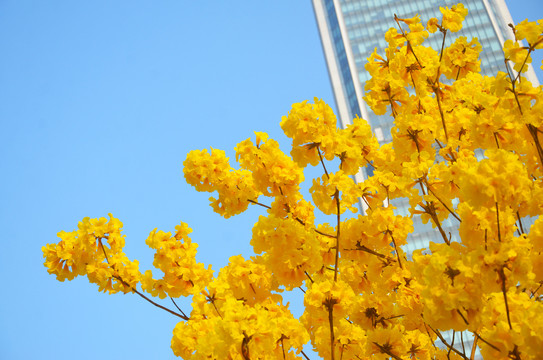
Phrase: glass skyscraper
(350, 30)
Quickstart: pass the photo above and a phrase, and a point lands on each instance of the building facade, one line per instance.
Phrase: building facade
(350, 30)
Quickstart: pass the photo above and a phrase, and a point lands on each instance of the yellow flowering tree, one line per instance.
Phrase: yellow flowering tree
(364, 297)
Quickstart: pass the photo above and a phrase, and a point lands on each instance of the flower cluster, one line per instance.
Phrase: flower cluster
(465, 151)
(176, 257)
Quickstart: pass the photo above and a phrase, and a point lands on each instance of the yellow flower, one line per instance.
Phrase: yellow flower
(530, 31)
(453, 17)
(461, 58)
(432, 25)
(212, 172)
(311, 127)
(329, 189)
(518, 54)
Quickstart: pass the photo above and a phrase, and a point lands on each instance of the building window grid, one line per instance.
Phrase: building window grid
(366, 21)
(475, 25)
(366, 37)
(341, 57)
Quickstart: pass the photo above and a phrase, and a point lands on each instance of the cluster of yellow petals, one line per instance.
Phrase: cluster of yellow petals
(273, 172)
(453, 17)
(176, 257)
(95, 250)
(212, 172)
(465, 151)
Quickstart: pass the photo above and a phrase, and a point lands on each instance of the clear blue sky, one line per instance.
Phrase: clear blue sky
(99, 104)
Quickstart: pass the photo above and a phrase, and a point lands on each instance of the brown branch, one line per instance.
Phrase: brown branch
(513, 82)
(315, 229)
(486, 342)
(429, 336)
(530, 50)
(324, 234)
(447, 344)
(520, 223)
(444, 32)
(212, 301)
(257, 203)
(462, 341)
(496, 139)
(504, 291)
(322, 162)
(329, 304)
(395, 249)
(441, 201)
(498, 222)
(366, 201)
(332, 340)
(308, 276)
(536, 290)
(409, 46)
(184, 317)
(245, 346)
(393, 110)
(534, 132)
(158, 305)
(436, 88)
(452, 344)
(474, 348)
(296, 218)
(462, 316)
(336, 262)
(385, 350)
(370, 251)
(429, 209)
(178, 308)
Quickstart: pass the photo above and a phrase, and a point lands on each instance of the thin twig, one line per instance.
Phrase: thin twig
(257, 203)
(498, 222)
(444, 32)
(336, 263)
(452, 344)
(436, 91)
(447, 344)
(178, 308)
(536, 290)
(395, 249)
(504, 291)
(520, 223)
(370, 251)
(296, 218)
(384, 350)
(441, 201)
(322, 162)
(137, 292)
(462, 316)
(474, 348)
(308, 276)
(430, 336)
(330, 305)
(486, 342)
(513, 82)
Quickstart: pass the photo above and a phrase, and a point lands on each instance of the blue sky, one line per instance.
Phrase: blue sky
(99, 104)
